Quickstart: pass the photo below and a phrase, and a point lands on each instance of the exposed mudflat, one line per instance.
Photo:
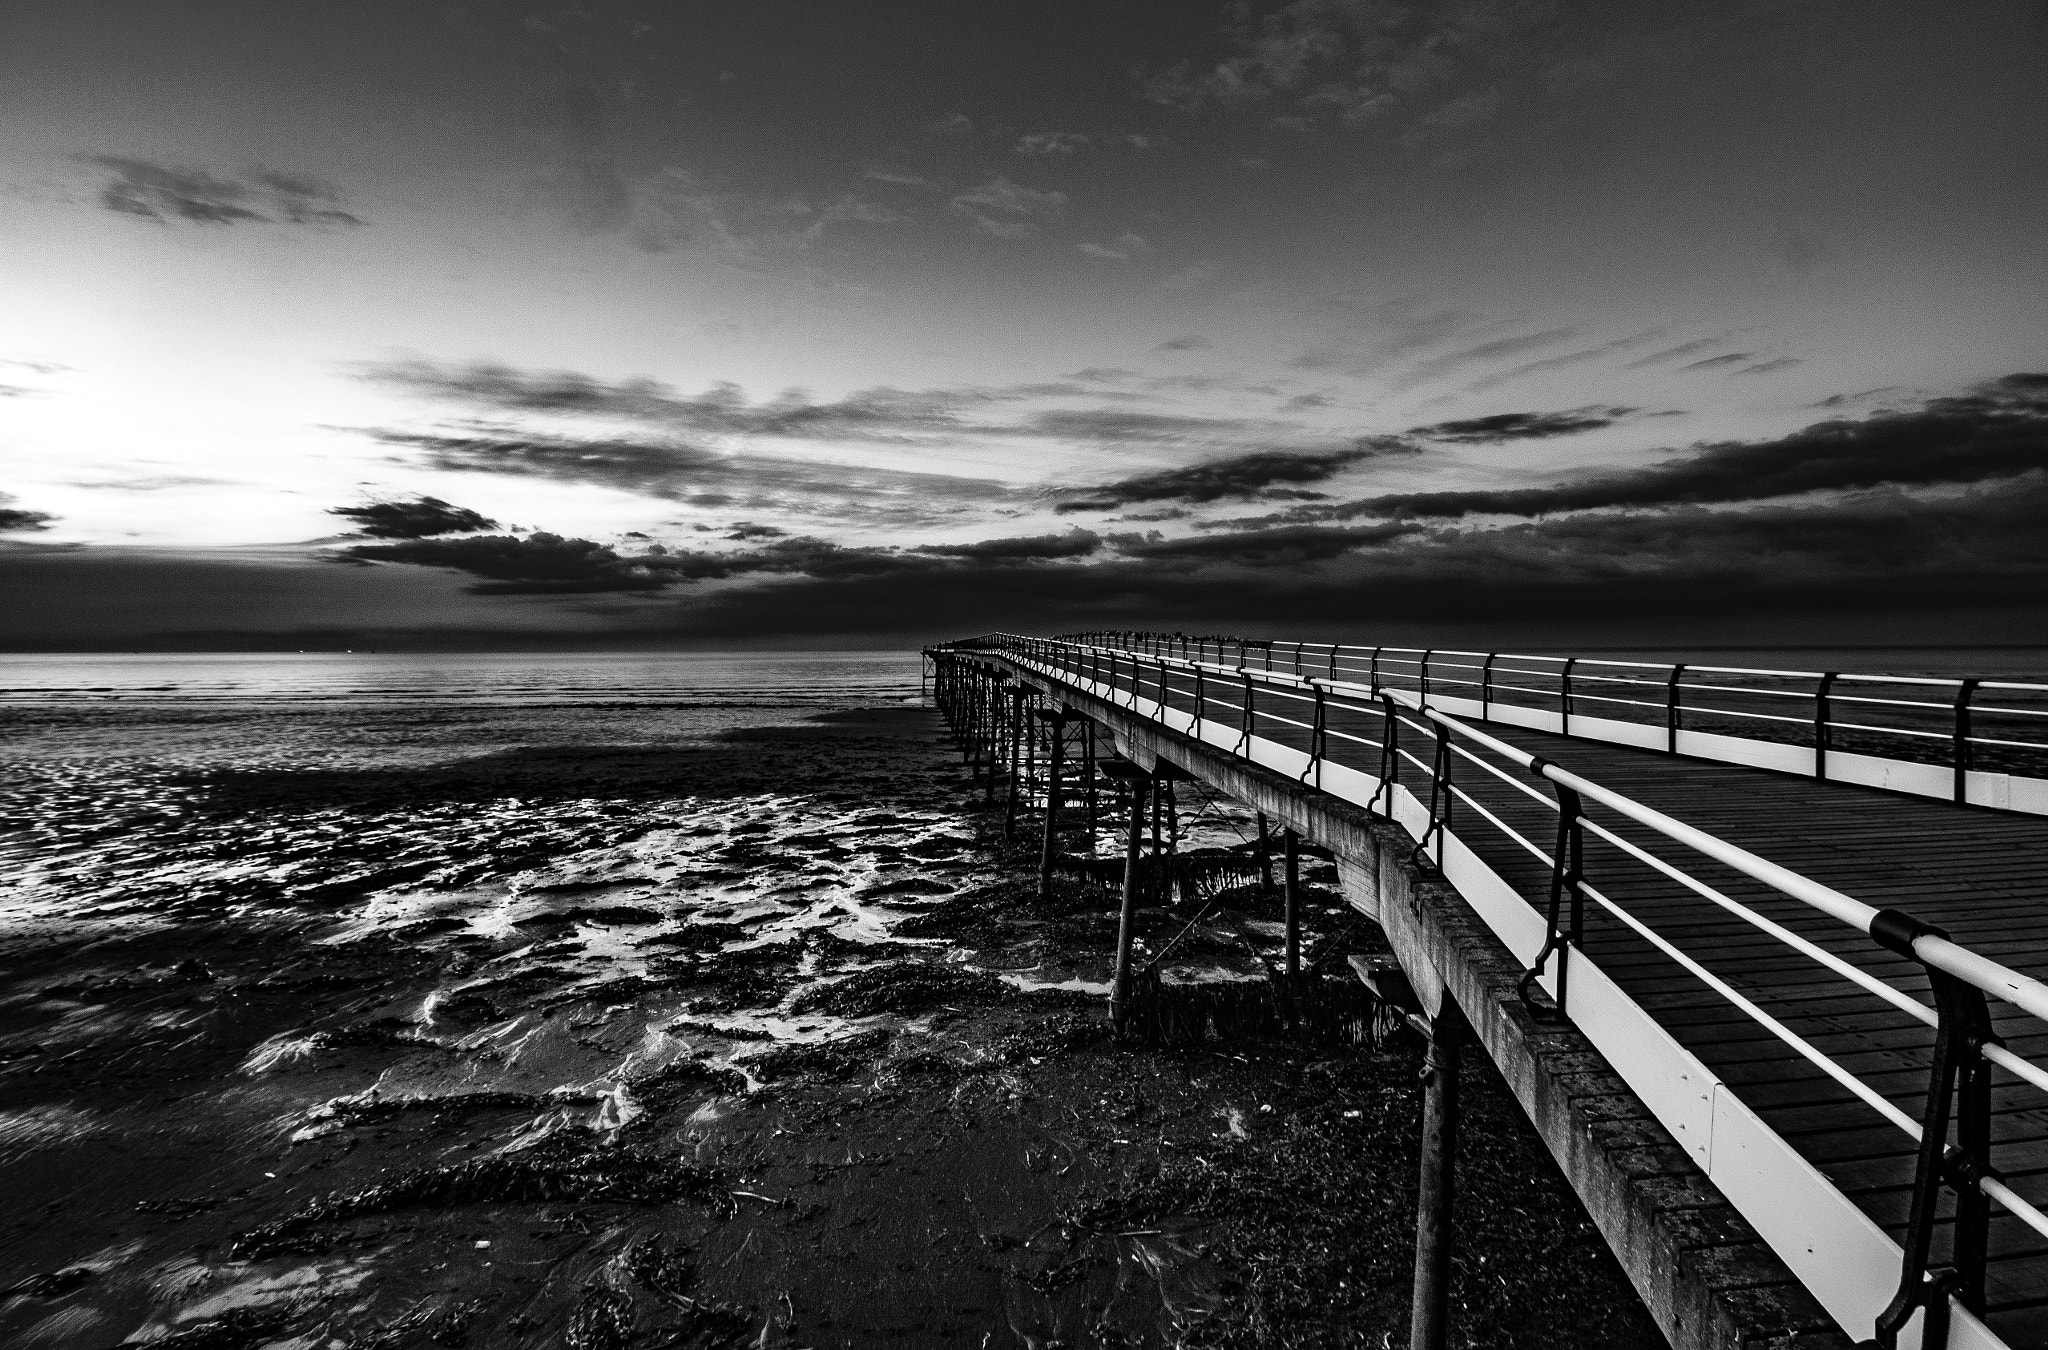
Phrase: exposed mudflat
(633, 1026)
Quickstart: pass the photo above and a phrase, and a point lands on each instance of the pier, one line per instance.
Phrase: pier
(1759, 952)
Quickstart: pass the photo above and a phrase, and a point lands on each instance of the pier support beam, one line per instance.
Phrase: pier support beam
(1127, 917)
(1429, 1322)
(1056, 736)
(1291, 899)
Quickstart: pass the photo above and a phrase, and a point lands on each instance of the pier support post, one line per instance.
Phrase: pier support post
(1088, 773)
(1291, 897)
(1017, 734)
(1429, 1323)
(1056, 737)
(1265, 854)
(1127, 917)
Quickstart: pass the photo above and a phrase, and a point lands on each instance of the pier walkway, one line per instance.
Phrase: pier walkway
(1796, 943)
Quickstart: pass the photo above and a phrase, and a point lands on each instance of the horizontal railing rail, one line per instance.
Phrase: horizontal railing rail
(1380, 744)
(1978, 741)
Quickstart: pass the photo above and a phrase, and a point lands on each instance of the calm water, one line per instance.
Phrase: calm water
(728, 679)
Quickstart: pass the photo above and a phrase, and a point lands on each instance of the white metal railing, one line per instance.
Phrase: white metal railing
(1978, 741)
(1840, 1253)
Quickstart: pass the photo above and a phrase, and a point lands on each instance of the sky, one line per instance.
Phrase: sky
(628, 324)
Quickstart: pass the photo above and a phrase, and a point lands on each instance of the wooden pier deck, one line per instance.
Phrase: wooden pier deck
(1982, 875)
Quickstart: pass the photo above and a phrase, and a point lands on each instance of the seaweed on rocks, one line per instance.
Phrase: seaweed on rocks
(236, 1329)
(1053, 1035)
(554, 1170)
(701, 937)
(904, 987)
(1324, 1010)
(663, 1272)
(364, 1110)
(839, 1058)
(602, 1320)
(687, 1078)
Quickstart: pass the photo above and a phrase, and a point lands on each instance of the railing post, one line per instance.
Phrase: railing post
(1486, 688)
(1961, 749)
(1373, 678)
(1564, 696)
(1318, 735)
(1672, 708)
(1390, 756)
(1823, 729)
(1439, 799)
(1244, 743)
(1959, 1081)
(1201, 701)
(1423, 679)
(1567, 868)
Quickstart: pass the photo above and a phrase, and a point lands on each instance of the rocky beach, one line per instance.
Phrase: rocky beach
(619, 1023)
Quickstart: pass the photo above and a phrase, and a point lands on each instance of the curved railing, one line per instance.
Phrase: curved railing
(1355, 740)
(1979, 741)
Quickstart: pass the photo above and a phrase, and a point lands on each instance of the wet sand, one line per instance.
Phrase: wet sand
(618, 1026)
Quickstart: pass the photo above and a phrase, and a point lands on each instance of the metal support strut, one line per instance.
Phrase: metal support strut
(1958, 1088)
(1567, 869)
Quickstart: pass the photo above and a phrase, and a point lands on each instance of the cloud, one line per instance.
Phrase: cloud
(300, 199)
(1672, 353)
(1584, 354)
(1050, 143)
(1120, 249)
(1524, 426)
(1356, 63)
(1281, 544)
(1118, 424)
(951, 124)
(1435, 367)
(1381, 335)
(1717, 362)
(17, 520)
(880, 413)
(1008, 210)
(1771, 367)
(1997, 430)
(545, 564)
(419, 518)
(679, 471)
(163, 194)
(1191, 342)
(1076, 543)
(1257, 474)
